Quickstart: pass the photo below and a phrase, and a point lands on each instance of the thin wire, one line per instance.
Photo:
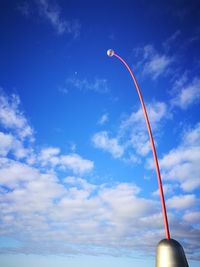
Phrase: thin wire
(164, 212)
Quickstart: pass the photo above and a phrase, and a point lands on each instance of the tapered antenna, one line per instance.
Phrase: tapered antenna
(111, 53)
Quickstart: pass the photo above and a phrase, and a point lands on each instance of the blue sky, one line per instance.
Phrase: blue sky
(77, 181)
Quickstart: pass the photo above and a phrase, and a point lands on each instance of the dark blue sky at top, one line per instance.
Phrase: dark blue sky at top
(35, 62)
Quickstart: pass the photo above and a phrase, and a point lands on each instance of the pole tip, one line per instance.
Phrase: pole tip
(110, 52)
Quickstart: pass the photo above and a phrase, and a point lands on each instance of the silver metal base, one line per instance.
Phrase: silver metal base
(170, 254)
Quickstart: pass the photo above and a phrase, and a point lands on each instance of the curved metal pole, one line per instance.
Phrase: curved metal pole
(112, 53)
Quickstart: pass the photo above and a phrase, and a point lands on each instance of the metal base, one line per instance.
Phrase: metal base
(170, 254)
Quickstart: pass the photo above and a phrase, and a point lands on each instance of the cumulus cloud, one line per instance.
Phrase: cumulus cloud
(182, 201)
(12, 172)
(132, 137)
(51, 206)
(18, 142)
(133, 128)
(51, 156)
(44, 210)
(76, 163)
(106, 219)
(188, 93)
(103, 141)
(9, 144)
(156, 112)
(12, 118)
(153, 63)
(6, 141)
(17, 136)
(181, 164)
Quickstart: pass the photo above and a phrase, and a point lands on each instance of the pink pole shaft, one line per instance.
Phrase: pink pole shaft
(153, 149)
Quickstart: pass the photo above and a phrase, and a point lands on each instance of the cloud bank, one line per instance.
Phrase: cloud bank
(49, 205)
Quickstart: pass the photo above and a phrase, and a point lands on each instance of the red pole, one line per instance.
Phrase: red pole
(164, 212)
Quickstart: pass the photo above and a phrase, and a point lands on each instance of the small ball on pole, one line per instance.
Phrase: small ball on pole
(110, 52)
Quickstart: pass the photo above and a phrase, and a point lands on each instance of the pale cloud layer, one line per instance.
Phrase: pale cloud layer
(68, 214)
(49, 205)
(98, 85)
(192, 217)
(52, 13)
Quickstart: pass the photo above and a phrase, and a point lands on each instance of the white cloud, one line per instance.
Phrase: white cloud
(103, 141)
(182, 201)
(12, 172)
(156, 112)
(6, 141)
(52, 13)
(49, 155)
(79, 187)
(31, 193)
(18, 142)
(77, 217)
(182, 164)
(179, 82)
(10, 144)
(153, 63)
(40, 210)
(172, 40)
(157, 65)
(192, 217)
(12, 118)
(104, 118)
(167, 188)
(76, 163)
(192, 136)
(98, 85)
(50, 210)
(114, 218)
(132, 137)
(188, 94)
(18, 135)
(136, 128)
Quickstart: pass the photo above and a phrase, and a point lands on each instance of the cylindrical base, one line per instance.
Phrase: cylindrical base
(170, 254)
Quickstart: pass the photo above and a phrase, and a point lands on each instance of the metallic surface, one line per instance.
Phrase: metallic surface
(111, 52)
(170, 254)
